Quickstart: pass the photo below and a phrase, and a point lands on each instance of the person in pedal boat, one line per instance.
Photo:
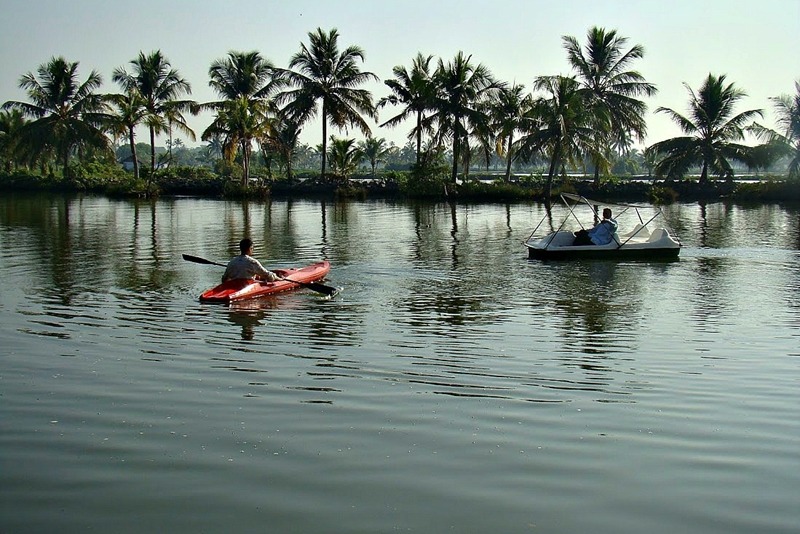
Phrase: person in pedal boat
(246, 266)
(601, 234)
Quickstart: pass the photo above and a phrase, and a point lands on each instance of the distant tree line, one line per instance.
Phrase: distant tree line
(461, 117)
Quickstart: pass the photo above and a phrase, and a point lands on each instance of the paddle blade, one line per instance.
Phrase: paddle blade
(322, 288)
(204, 261)
(315, 286)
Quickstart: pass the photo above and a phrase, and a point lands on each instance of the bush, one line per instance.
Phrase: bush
(94, 176)
(498, 190)
(27, 181)
(428, 179)
(769, 191)
(188, 181)
(662, 195)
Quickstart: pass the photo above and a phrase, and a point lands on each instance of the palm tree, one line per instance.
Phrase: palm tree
(559, 125)
(508, 109)
(374, 151)
(786, 140)
(246, 74)
(323, 73)
(10, 123)
(345, 155)
(461, 89)
(213, 149)
(712, 131)
(413, 89)
(245, 81)
(603, 72)
(238, 122)
(130, 111)
(159, 85)
(282, 140)
(67, 114)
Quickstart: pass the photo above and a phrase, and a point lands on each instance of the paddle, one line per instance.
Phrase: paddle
(315, 286)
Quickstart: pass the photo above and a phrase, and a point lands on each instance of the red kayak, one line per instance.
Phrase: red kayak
(247, 288)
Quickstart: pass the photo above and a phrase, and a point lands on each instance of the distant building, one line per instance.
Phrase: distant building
(127, 163)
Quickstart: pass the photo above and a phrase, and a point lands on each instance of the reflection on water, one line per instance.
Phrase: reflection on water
(248, 320)
(453, 384)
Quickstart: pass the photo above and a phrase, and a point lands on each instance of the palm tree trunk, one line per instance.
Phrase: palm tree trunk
(65, 163)
(508, 157)
(467, 160)
(132, 141)
(245, 163)
(419, 136)
(324, 139)
(551, 172)
(152, 152)
(456, 143)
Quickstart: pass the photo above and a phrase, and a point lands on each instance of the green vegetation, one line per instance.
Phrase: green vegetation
(331, 77)
(712, 134)
(67, 117)
(472, 136)
(151, 90)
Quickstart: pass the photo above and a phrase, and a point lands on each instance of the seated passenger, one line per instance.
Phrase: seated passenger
(601, 234)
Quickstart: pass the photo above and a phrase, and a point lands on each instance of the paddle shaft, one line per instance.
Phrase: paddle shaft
(321, 288)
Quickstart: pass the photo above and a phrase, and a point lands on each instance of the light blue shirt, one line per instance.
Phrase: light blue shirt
(603, 233)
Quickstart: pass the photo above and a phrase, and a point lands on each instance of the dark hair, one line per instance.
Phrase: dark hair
(245, 244)
(607, 210)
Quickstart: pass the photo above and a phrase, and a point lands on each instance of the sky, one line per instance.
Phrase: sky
(754, 43)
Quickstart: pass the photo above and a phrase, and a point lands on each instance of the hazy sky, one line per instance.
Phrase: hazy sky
(755, 43)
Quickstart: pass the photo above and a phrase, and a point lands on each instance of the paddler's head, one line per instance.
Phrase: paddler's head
(246, 246)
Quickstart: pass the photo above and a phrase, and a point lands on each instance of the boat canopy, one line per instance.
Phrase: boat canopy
(644, 216)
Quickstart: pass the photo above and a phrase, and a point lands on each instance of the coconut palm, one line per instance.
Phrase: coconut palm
(67, 114)
(246, 83)
(282, 140)
(508, 109)
(462, 88)
(213, 149)
(129, 111)
(712, 131)
(238, 122)
(559, 125)
(160, 86)
(247, 74)
(10, 123)
(321, 73)
(602, 67)
(413, 89)
(786, 140)
(374, 150)
(345, 155)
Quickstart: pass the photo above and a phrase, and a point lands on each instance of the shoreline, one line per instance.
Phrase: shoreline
(477, 189)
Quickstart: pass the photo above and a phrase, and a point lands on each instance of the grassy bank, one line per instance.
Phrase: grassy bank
(203, 182)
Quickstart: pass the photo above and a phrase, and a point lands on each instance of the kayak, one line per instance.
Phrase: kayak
(247, 288)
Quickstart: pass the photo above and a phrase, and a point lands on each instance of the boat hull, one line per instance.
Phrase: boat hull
(558, 246)
(244, 288)
(575, 253)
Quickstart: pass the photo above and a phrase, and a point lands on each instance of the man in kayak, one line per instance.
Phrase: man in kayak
(246, 266)
(601, 234)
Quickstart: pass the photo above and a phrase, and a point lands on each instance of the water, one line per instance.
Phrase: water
(452, 386)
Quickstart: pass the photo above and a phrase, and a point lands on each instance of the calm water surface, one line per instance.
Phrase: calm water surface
(452, 386)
